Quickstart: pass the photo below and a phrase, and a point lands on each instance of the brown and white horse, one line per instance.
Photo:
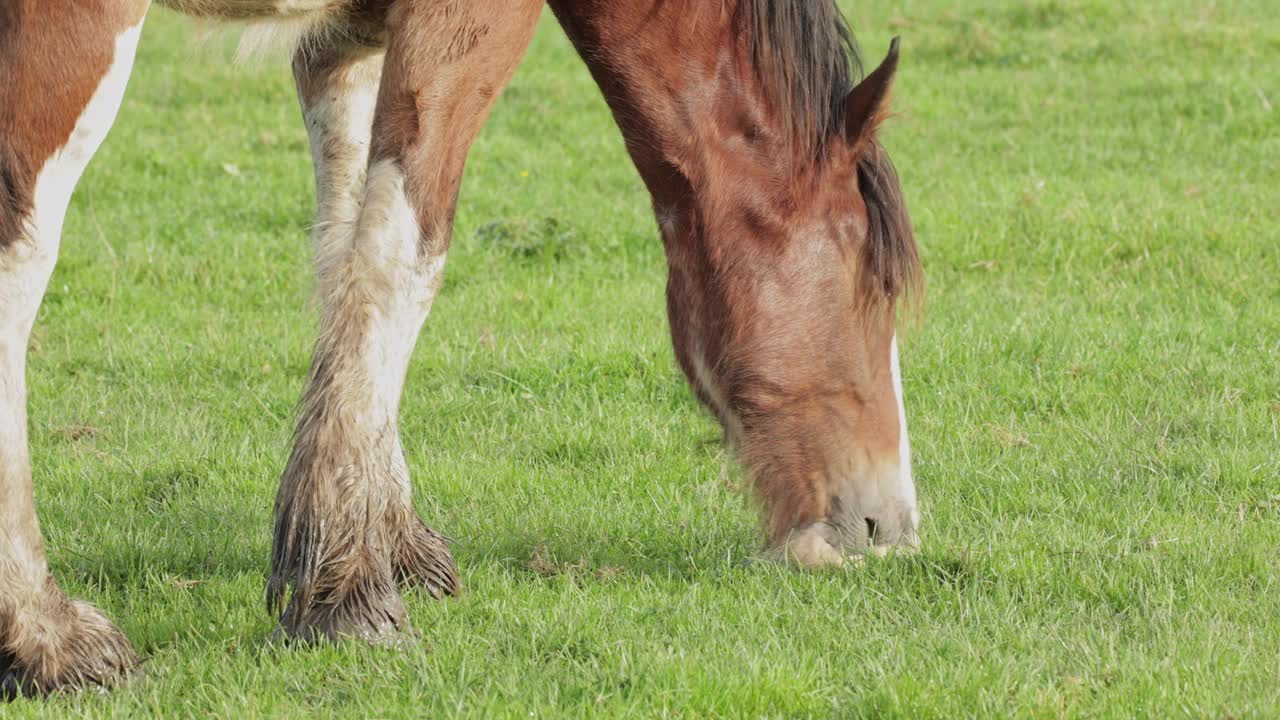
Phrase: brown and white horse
(787, 242)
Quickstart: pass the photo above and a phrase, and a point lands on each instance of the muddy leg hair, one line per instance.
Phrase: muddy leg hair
(345, 529)
(48, 641)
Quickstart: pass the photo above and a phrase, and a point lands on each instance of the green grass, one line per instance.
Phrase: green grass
(1093, 395)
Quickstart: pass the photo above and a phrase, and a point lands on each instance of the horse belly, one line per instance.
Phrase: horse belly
(287, 24)
(251, 9)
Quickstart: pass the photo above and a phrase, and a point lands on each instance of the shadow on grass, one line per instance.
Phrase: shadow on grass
(716, 561)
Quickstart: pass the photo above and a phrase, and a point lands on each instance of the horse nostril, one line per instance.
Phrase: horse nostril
(871, 531)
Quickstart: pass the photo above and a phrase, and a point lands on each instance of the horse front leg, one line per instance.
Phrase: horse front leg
(65, 92)
(345, 530)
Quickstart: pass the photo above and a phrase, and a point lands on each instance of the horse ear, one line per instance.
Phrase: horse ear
(868, 103)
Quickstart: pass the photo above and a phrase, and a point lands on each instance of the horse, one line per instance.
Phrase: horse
(789, 253)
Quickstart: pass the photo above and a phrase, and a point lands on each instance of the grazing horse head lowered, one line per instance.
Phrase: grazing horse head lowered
(787, 242)
(788, 245)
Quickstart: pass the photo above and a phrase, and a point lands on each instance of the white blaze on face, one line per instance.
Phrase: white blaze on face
(906, 485)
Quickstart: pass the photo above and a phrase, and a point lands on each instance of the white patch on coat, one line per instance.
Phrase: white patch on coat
(339, 125)
(25, 271)
(25, 268)
(386, 259)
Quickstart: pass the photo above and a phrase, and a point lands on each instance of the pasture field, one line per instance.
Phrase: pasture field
(1093, 395)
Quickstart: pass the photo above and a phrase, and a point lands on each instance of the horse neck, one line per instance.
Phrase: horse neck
(682, 88)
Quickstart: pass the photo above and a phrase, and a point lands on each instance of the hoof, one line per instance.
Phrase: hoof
(327, 631)
(423, 560)
(78, 648)
(359, 602)
(341, 595)
(383, 621)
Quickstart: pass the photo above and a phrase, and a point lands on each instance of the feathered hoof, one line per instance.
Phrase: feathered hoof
(423, 560)
(360, 604)
(75, 647)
